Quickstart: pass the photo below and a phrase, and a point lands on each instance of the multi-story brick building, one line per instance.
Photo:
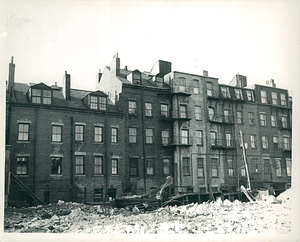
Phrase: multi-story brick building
(137, 128)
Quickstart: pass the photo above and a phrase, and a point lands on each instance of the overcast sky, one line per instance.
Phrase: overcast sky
(258, 39)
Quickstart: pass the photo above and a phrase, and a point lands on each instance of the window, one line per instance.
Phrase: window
(132, 107)
(263, 119)
(267, 169)
(209, 88)
(228, 140)
(278, 166)
(213, 138)
(56, 165)
(98, 195)
(274, 98)
(239, 117)
(164, 110)
(288, 163)
(183, 111)
(199, 137)
(166, 162)
(214, 170)
(286, 143)
(22, 165)
(230, 167)
(264, 142)
(273, 121)
(182, 84)
(251, 118)
(243, 172)
(98, 134)
(114, 166)
(284, 121)
(149, 136)
(46, 96)
(36, 95)
(226, 116)
(159, 81)
(196, 86)
(133, 166)
(184, 136)
(283, 100)
(250, 95)
(238, 94)
(98, 103)
(200, 167)
(150, 166)
(197, 112)
(263, 95)
(136, 78)
(255, 166)
(79, 167)
(148, 109)
(252, 141)
(56, 133)
(79, 132)
(98, 165)
(165, 137)
(132, 135)
(23, 132)
(114, 135)
(211, 113)
(225, 92)
(186, 166)
(275, 142)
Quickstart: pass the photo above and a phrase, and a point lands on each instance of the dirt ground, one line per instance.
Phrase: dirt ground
(219, 217)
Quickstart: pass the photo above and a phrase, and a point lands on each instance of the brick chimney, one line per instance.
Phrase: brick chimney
(205, 73)
(115, 65)
(11, 76)
(67, 86)
(270, 83)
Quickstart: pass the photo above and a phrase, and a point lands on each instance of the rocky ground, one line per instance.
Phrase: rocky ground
(219, 217)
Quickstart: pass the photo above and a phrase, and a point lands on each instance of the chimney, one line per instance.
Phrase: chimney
(11, 76)
(115, 65)
(99, 75)
(67, 86)
(205, 73)
(271, 83)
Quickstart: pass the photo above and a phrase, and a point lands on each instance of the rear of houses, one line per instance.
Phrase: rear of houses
(136, 128)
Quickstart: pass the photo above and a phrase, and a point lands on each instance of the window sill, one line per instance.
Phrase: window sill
(98, 143)
(99, 175)
(199, 145)
(114, 143)
(80, 175)
(23, 141)
(132, 115)
(56, 175)
(149, 116)
(56, 143)
(79, 141)
(115, 175)
(22, 175)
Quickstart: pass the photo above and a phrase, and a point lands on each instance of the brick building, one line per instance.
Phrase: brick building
(136, 128)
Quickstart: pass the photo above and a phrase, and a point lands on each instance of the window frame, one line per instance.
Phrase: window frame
(198, 112)
(274, 98)
(23, 132)
(186, 166)
(284, 121)
(200, 167)
(209, 89)
(79, 134)
(264, 142)
(214, 167)
(115, 166)
(199, 138)
(230, 167)
(286, 145)
(100, 165)
(239, 117)
(166, 169)
(165, 138)
(238, 93)
(133, 164)
(184, 138)
(225, 92)
(183, 111)
(263, 119)
(166, 112)
(114, 136)
(196, 86)
(182, 84)
(149, 138)
(150, 169)
(283, 99)
(253, 141)
(79, 165)
(100, 134)
(21, 166)
(56, 134)
(273, 120)
(132, 107)
(250, 95)
(132, 135)
(263, 97)
(59, 169)
(213, 138)
(251, 118)
(275, 142)
(148, 111)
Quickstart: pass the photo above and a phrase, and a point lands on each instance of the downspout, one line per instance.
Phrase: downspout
(34, 147)
(71, 161)
(143, 137)
(179, 147)
(106, 155)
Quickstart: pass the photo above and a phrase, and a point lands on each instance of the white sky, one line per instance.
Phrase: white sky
(258, 39)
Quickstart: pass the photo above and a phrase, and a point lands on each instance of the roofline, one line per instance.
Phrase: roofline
(193, 74)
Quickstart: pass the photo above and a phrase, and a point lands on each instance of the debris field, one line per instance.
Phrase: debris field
(218, 217)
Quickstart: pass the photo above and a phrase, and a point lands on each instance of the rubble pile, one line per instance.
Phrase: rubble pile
(219, 217)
